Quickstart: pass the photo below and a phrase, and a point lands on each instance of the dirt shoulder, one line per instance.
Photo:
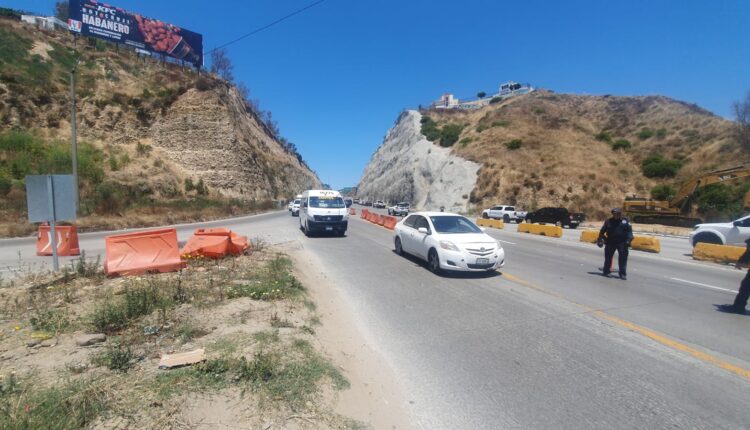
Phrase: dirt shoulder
(375, 396)
(83, 351)
(646, 228)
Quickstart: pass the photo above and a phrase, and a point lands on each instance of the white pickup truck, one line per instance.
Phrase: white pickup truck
(505, 213)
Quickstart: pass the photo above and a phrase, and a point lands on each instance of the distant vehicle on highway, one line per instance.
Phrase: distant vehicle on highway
(365, 202)
(399, 209)
(323, 211)
(289, 206)
(557, 216)
(355, 201)
(295, 207)
(505, 213)
(378, 204)
(722, 233)
(447, 242)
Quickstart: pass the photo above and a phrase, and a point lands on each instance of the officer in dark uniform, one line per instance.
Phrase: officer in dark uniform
(740, 301)
(616, 235)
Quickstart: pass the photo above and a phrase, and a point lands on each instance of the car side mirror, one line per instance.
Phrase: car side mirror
(423, 230)
(737, 223)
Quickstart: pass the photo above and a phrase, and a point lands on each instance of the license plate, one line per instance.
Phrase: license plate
(329, 228)
(483, 260)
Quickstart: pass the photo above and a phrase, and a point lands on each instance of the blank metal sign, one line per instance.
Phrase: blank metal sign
(37, 198)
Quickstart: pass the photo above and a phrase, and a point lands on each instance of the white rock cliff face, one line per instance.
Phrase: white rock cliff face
(408, 167)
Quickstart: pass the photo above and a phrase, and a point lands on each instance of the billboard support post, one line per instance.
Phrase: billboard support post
(74, 132)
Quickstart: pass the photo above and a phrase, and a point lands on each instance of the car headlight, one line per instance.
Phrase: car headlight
(450, 246)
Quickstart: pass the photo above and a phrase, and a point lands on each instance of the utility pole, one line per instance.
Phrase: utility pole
(74, 132)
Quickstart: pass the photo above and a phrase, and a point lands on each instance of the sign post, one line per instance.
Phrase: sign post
(51, 198)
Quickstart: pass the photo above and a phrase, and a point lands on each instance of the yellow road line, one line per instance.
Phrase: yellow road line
(700, 355)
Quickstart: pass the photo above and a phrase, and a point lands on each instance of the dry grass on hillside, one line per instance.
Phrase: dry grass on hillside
(546, 149)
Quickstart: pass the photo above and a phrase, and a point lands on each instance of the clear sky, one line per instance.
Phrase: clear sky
(337, 76)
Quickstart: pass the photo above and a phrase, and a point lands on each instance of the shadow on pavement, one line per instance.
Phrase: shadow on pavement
(729, 309)
(451, 274)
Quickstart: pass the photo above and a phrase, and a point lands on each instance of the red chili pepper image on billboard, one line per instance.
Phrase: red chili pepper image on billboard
(163, 37)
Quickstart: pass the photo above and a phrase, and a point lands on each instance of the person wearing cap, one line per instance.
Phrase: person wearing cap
(616, 235)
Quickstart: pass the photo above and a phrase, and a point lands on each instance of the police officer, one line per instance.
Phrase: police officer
(616, 235)
(740, 301)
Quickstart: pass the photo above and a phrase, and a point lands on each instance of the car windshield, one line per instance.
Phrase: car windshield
(402, 204)
(453, 224)
(296, 202)
(327, 202)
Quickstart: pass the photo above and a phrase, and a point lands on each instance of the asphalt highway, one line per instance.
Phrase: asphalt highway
(544, 343)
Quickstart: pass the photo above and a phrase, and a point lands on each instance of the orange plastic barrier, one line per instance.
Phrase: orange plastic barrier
(389, 222)
(352, 211)
(141, 252)
(363, 213)
(370, 216)
(67, 240)
(214, 243)
(380, 220)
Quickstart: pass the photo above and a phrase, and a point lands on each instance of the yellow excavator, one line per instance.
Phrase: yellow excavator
(674, 212)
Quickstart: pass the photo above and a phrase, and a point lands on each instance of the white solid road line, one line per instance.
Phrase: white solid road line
(727, 290)
(505, 241)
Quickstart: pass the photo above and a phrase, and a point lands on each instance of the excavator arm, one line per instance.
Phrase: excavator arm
(682, 197)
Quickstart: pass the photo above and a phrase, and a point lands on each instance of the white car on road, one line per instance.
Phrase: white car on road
(722, 233)
(295, 207)
(448, 242)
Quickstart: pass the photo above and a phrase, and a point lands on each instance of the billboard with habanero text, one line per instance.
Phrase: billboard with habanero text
(97, 19)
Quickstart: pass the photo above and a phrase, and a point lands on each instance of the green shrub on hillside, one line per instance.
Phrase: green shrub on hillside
(645, 133)
(657, 166)
(662, 192)
(450, 133)
(717, 198)
(447, 135)
(430, 130)
(621, 144)
(661, 133)
(603, 136)
(495, 100)
(514, 144)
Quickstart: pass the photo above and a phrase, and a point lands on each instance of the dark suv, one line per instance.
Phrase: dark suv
(556, 216)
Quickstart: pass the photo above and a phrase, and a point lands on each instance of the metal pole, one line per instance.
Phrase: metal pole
(74, 137)
(52, 230)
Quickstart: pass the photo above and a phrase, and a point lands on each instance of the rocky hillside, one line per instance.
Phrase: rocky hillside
(162, 133)
(408, 167)
(586, 153)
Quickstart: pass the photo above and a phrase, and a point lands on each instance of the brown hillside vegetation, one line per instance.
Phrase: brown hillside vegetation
(585, 152)
(158, 143)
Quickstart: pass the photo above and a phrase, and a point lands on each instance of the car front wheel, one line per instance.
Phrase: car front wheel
(707, 238)
(397, 245)
(433, 262)
(485, 216)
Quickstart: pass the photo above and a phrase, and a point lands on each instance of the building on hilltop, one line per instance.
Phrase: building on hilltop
(44, 22)
(446, 101)
(507, 89)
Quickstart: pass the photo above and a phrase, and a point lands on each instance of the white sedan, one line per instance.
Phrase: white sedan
(722, 233)
(448, 242)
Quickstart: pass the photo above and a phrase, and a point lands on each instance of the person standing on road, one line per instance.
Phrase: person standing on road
(740, 301)
(616, 235)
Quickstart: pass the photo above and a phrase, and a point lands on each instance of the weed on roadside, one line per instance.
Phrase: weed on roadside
(74, 405)
(274, 282)
(117, 357)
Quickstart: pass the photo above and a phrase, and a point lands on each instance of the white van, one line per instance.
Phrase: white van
(323, 211)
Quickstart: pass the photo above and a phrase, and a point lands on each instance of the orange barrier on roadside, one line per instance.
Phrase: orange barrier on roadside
(352, 211)
(389, 222)
(214, 243)
(141, 252)
(363, 213)
(380, 220)
(67, 240)
(371, 216)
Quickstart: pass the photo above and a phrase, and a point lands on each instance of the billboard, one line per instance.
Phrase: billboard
(114, 24)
